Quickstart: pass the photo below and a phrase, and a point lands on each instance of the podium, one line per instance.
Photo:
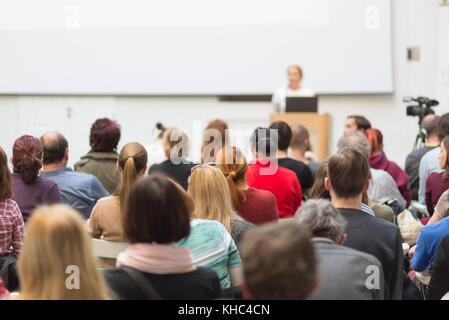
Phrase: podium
(317, 124)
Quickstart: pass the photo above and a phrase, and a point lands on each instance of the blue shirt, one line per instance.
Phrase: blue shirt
(428, 242)
(79, 190)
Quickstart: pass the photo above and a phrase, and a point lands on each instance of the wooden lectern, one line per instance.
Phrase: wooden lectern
(317, 124)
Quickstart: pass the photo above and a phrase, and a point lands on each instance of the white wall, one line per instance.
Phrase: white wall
(415, 23)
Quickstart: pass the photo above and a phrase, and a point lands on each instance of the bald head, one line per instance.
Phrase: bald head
(430, 124)
(300, 137)
(55, 147)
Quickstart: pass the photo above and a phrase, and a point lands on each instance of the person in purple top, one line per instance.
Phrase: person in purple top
(438, 182)
(30, 190)
(378, 160)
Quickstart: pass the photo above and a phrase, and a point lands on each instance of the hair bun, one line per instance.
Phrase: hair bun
(160, 126)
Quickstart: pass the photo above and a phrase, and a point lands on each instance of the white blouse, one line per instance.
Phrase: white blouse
(278, 99)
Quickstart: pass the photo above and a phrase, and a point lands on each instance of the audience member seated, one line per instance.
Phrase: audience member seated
(30, 190)
(12, 229)
(348, 177)
(319, 192)
(382, 187)
(429, 162)
(427, 244)
(211, 197)
(430, 125)
(212, 246)
(57, 261)
(156, 153)
(11, 221)
(156, 217)
(439, 282)
(105, 222)
(176, 147)
(378, 161)
(216, 136)
(356, 123)
(438, 182)
(278, 262)
(79, 190)
(299, 145)
(265, 174)
(342, 270)
(101, 160)
(301, 170)
(254, 205)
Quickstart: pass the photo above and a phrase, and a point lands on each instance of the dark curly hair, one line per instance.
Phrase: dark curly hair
(104, 135)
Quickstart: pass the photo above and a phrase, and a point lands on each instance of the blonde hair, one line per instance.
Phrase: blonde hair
(297, 67)
(232, 163)
(132, 160)
(210, 193)
(56, 239)
(177, 142)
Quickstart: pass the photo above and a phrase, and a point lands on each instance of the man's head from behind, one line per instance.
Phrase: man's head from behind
(264, 143)
(355, 140)
(348, 174)
(356, 123)
(322, 219)
(300, 137)
(55, 148)
(284, 134)
(443, 126)
(278, 262)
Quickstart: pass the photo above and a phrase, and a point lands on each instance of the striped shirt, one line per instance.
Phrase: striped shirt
(12, 228)
(211, 246)
(382, 188)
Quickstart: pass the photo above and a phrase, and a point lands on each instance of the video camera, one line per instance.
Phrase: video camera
(422, 109)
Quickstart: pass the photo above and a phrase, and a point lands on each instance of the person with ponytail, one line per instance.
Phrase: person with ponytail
(254, 205)
(105, 221)
(378, 161)
(176, 145)
(156, 153)
(30, 190)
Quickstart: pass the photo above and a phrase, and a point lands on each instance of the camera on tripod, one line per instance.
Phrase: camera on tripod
(422, 109)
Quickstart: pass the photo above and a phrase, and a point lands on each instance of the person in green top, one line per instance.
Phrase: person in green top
(101, 160)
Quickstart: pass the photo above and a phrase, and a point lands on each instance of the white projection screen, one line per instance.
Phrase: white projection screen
(193, 47)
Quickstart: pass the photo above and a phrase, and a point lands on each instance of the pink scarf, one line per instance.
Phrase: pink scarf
(155, 258)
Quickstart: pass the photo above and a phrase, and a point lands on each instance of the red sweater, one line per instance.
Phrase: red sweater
(281, 182)
(259, 207)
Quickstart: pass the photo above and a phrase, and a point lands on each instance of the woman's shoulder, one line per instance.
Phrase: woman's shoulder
(259, 194)
(208, 229)
(45, 183)
(435, 176)
(9, 205)
(109, 201)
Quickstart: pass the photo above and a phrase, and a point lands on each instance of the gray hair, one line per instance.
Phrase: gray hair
(355, 140)
(322, 218)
